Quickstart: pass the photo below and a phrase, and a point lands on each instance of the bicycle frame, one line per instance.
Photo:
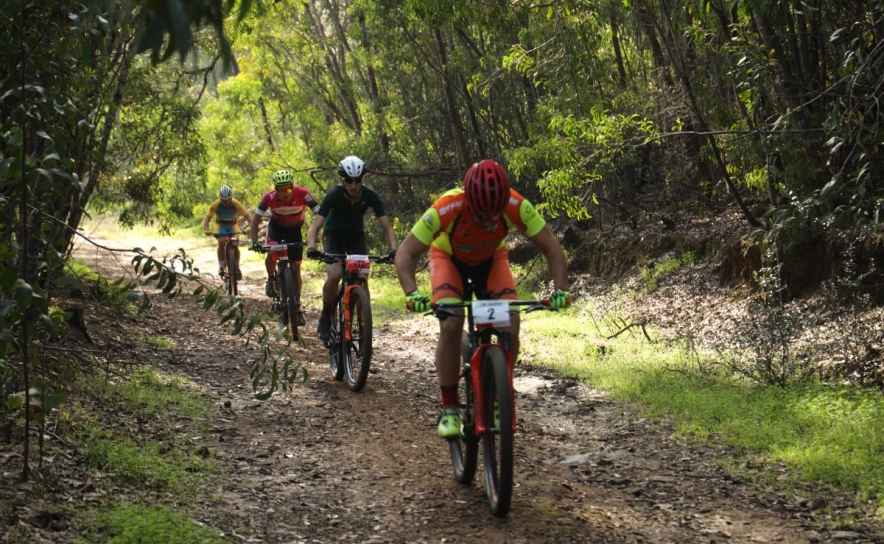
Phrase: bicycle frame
(481, 340)
(356, 270)
(280, 254)
(230, 241)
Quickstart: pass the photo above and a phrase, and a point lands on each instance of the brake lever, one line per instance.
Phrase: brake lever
(441, 313)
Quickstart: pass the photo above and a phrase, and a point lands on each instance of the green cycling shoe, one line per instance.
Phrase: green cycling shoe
(449, 423)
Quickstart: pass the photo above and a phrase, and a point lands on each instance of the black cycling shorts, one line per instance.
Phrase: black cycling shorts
(340, 242)
(278, 234)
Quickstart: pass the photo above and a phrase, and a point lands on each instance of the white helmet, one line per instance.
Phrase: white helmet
(351, 167)
(225, 193)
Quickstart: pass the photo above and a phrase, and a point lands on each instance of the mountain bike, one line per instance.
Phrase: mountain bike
(485, 390)
(287, 293)
(230, 273)
(349, 342)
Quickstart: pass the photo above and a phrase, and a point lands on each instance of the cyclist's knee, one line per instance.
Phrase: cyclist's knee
(451, 328)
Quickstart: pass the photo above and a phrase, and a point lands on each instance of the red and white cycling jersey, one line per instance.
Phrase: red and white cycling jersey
(288, 214)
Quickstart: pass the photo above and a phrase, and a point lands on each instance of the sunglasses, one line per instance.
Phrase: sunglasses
(285, 190)
(351, 181)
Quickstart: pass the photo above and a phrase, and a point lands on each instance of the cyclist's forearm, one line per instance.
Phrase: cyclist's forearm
(314, 230)
(549, 245)
(392, 242)
(406, 262)
(253, 227)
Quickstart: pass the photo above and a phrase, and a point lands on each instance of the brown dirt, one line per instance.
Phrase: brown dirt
(323, 464)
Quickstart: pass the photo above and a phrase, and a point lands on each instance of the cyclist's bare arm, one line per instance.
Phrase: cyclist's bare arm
(388, 230)
(254, 222)
(208, 218)
(549, 245)
(313, 231)
(406, 261)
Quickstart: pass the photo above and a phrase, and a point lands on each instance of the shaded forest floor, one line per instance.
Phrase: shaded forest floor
(323, 464)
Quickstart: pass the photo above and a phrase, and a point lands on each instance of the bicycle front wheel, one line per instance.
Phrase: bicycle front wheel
(357, 351)
(464, 449)
(290, 301)
(335, 344)
(232, 267)
(497, 442)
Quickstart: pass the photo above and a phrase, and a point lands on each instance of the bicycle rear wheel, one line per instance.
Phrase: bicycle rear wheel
(357, 351)
(464, 450)
(335, 344)
(497, 442)
(290, 301)
(232, 267)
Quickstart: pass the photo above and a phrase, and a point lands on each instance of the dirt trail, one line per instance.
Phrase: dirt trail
(324, 464)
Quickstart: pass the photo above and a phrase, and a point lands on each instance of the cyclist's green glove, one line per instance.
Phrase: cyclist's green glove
(559, 299)
(416, 302)
(256, 245)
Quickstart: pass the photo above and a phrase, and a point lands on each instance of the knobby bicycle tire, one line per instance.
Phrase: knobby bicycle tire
(464, 450)
(497, 442)
(290, 301)
(232, 267)
(336, 343)
(357, 351)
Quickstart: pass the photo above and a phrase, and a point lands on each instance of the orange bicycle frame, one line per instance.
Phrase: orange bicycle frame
(356, 270)
(476, 361)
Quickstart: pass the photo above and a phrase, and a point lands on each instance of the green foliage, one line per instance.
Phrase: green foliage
(822, 433)
(579, 155)
(152, 393)
(149, 395)
(160, 343)
(275, 368)
(652, 272)
(144, 463)
(140, 524)
(167, 28)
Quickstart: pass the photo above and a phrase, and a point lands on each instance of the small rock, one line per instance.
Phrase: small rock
(846, 535)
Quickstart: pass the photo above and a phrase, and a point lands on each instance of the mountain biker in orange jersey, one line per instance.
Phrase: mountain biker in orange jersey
(226, 210)
(341, 213)
(465, 231)
(287, 204)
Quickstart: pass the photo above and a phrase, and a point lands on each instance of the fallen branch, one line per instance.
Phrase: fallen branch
(629, 326)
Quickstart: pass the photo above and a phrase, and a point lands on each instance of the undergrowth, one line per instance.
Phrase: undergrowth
(144, 429)
(826, 433)
(141, 524)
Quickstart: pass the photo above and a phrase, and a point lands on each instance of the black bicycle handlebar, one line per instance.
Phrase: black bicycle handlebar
(443, 310)
(332, 258)
(278, 247)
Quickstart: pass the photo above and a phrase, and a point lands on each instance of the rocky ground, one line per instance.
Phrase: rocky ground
(323, 464)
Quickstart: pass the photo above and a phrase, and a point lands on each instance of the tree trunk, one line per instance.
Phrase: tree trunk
(448, 92)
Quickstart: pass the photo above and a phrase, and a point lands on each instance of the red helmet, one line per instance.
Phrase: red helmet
(487, 188)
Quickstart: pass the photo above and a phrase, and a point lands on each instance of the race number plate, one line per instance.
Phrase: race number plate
(359, 264)
(491, 312)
